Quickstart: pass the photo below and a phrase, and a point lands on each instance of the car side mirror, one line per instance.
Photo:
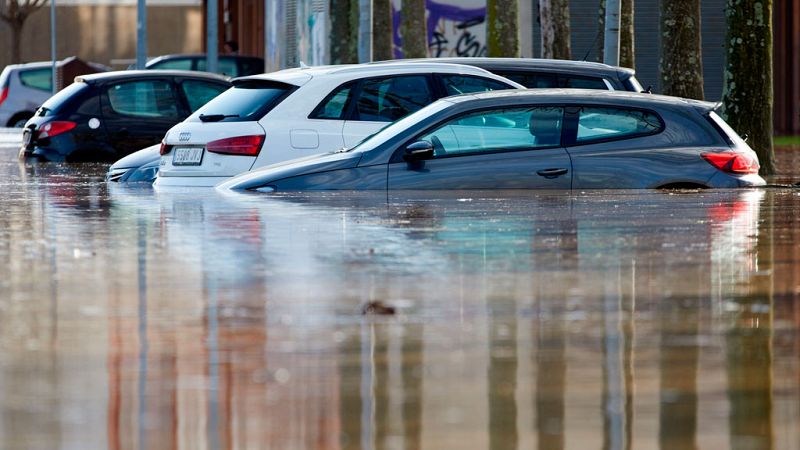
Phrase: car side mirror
(418, 151)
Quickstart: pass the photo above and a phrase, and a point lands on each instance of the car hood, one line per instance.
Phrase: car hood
(292, 168)
(138, 159)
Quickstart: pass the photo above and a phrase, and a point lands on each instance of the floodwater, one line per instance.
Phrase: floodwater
(134, 319)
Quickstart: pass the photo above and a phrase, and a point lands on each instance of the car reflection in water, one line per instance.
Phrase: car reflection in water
(231, 321)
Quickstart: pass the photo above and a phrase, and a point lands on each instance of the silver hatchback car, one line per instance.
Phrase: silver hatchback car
(533, 139)
(23, 88)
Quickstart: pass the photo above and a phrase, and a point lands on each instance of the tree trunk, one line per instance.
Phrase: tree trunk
(681, 60)
(747, 90)
(599, 43)
(626, 49)
(503, 28)
(382, 30)
(344, 31)
(16, 41)
(554, 19)
(414, 29)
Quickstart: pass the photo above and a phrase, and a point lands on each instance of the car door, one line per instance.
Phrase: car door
(382, 100)
(325, 125)
(137, 113)
(502, 148)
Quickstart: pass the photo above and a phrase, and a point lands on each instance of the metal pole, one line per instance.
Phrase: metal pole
(611, 42)
(141, 35)
(364, 31)
(53, 44)
(211, 36)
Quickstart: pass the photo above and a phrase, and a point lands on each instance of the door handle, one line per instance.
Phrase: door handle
(552, 173)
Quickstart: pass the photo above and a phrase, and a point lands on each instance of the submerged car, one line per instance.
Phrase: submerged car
(299, 112)
(533, 139)
(102, 117)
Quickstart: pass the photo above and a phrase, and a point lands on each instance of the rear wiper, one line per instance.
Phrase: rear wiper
(215, 117)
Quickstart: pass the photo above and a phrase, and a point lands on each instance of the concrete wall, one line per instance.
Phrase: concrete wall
(106, 32)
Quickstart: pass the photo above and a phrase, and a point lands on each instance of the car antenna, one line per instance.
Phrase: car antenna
(303, 65)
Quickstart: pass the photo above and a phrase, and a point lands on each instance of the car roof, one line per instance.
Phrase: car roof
(300, 75)
(550, 65)
(125, 74)
(197, 55)
(623, 98)
(30, 65)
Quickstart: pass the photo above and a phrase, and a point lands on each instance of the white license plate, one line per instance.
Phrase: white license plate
(187, 156)
(26, 137)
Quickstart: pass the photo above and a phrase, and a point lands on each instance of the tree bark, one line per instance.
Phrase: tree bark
(382, 30)
(16, 41)
(627, 56)
(414, 29)
(747, 94)
(503, 28)
(344, 31)
(554, 19)
(681, 60)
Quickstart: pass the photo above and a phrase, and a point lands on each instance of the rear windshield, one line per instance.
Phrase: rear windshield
(57, 102)
(246, 101)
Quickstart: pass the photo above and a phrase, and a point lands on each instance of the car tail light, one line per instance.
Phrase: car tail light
(239, 145)
(55, 128)
(164, 149)
(3, 95)
(732, 162)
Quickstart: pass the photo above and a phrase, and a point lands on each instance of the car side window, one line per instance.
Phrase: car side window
(532, 80)
(41, 79)
(496, 130)
(582, 83)
(389, 99)
(198, 93)
(146, 98)
(174, 64)
(225, 66)
(597, 123)
(334, 105)
(462, 84)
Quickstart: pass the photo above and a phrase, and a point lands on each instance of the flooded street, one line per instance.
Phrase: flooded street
(135, 319)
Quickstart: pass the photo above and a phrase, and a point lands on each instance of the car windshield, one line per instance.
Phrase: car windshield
(56, 102)
(397, 128)
(246, 101)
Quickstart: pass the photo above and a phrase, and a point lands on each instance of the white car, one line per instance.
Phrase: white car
(265, 119)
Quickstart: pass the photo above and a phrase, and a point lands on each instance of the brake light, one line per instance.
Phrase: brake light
(3, 95)
(55, 128)
(731, 162)
(164, 149)
(239, 145)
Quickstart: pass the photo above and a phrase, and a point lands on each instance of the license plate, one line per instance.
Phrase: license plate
(187, 156)
(26, 137)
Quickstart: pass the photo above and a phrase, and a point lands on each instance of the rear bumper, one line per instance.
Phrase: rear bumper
(188, 181)
(724, 180)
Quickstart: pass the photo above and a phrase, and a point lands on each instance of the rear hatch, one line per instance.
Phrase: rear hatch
(46, 123)
(223, 138)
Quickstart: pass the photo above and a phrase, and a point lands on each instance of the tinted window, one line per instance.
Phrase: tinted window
(198, 93)
(225, 66)
(63, 97)
(249, 66)
(603, 123)
(37, 79)
(461, 84)
(147, 98)
(388, 99)
(333, 107)
(249, 100)
(507, 129)
(532, 80)
(173, 64)
(582, 83)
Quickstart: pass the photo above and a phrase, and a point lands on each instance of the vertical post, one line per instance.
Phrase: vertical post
(141, 34)
(53, 44)
(611, 36)
(211, 36)
(364, 31)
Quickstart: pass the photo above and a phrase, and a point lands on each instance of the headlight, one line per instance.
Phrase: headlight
(146, 173)
(265, 189)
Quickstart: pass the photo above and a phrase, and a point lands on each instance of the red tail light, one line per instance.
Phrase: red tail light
(164, 149)
(3, 95)
(239, 145)
(55, 128)
(731, 162)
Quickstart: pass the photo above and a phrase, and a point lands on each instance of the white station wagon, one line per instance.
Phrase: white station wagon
(269, 118)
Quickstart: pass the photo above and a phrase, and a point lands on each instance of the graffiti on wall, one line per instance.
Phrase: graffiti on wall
(454, 29)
